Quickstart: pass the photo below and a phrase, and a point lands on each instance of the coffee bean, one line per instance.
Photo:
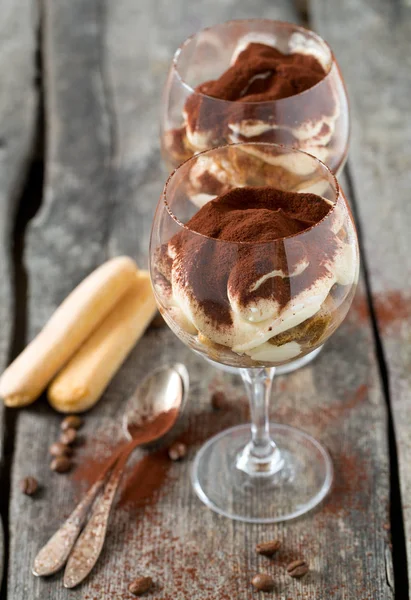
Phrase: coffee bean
(59, 449)
(263, 582)
(61, 464)
(29, 486)
(268, 548)
(140, 586)
(219, 400)
(71, 422)
(68, 436)
(298, 568)
(177, 451)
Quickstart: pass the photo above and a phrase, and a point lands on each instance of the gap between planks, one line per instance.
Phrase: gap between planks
(32, 191)
(27, 206)
(399, 553)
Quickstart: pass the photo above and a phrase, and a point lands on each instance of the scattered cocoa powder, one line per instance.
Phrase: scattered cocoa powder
(151, 534)
(359, 310)
(392, 308)
(146, 523)
(94, 457)
(143, 481)
(143, 484)
(351, 490)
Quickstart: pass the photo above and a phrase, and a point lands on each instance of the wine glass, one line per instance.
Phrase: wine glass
(222, 299)
(315, 120)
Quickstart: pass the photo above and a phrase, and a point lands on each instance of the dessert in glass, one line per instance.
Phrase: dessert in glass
(252, 267)
(256, 80)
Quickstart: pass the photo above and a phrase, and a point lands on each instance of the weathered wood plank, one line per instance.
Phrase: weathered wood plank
(18, 100)
(66, 241)
(379, 86)
(160, 527)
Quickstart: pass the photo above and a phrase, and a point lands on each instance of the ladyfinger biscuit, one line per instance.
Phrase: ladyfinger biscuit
(83, 380)
(80, 313)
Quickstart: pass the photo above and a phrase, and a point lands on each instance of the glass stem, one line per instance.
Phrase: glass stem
(261, 456)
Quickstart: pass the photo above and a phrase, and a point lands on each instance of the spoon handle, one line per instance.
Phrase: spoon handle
(53, 556)
(90, 543)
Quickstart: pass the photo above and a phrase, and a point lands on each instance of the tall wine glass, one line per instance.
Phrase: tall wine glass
(315, 120)
(197, 281)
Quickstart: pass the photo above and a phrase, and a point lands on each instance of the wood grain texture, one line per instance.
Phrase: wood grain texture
(18, 102)
(104, 175)
(65, 241)
(379, 85)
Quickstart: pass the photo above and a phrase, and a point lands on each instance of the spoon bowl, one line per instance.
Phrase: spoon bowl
(154, 408)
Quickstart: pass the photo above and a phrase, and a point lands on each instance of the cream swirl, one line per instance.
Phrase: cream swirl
(270, 292)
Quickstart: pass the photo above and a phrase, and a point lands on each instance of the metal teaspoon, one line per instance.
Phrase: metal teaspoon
(157, 406)
(164, 380)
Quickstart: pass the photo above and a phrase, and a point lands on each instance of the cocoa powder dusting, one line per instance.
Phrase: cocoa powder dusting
(147, 428)
(392, 308)
(261, 74)
(145, 480)
(351, 489)
(256, 219)
(153, 532)
(359, 311)
(94, 458)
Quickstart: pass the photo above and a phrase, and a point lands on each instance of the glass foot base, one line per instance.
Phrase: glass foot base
(301, 483)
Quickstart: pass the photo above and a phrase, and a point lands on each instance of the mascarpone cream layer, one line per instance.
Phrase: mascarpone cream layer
(255, 323)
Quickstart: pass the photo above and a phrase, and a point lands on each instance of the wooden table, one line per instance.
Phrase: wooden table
(88, 74)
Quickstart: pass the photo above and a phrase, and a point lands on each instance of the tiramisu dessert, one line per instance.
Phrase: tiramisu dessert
(266, 95)
(258, 276)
